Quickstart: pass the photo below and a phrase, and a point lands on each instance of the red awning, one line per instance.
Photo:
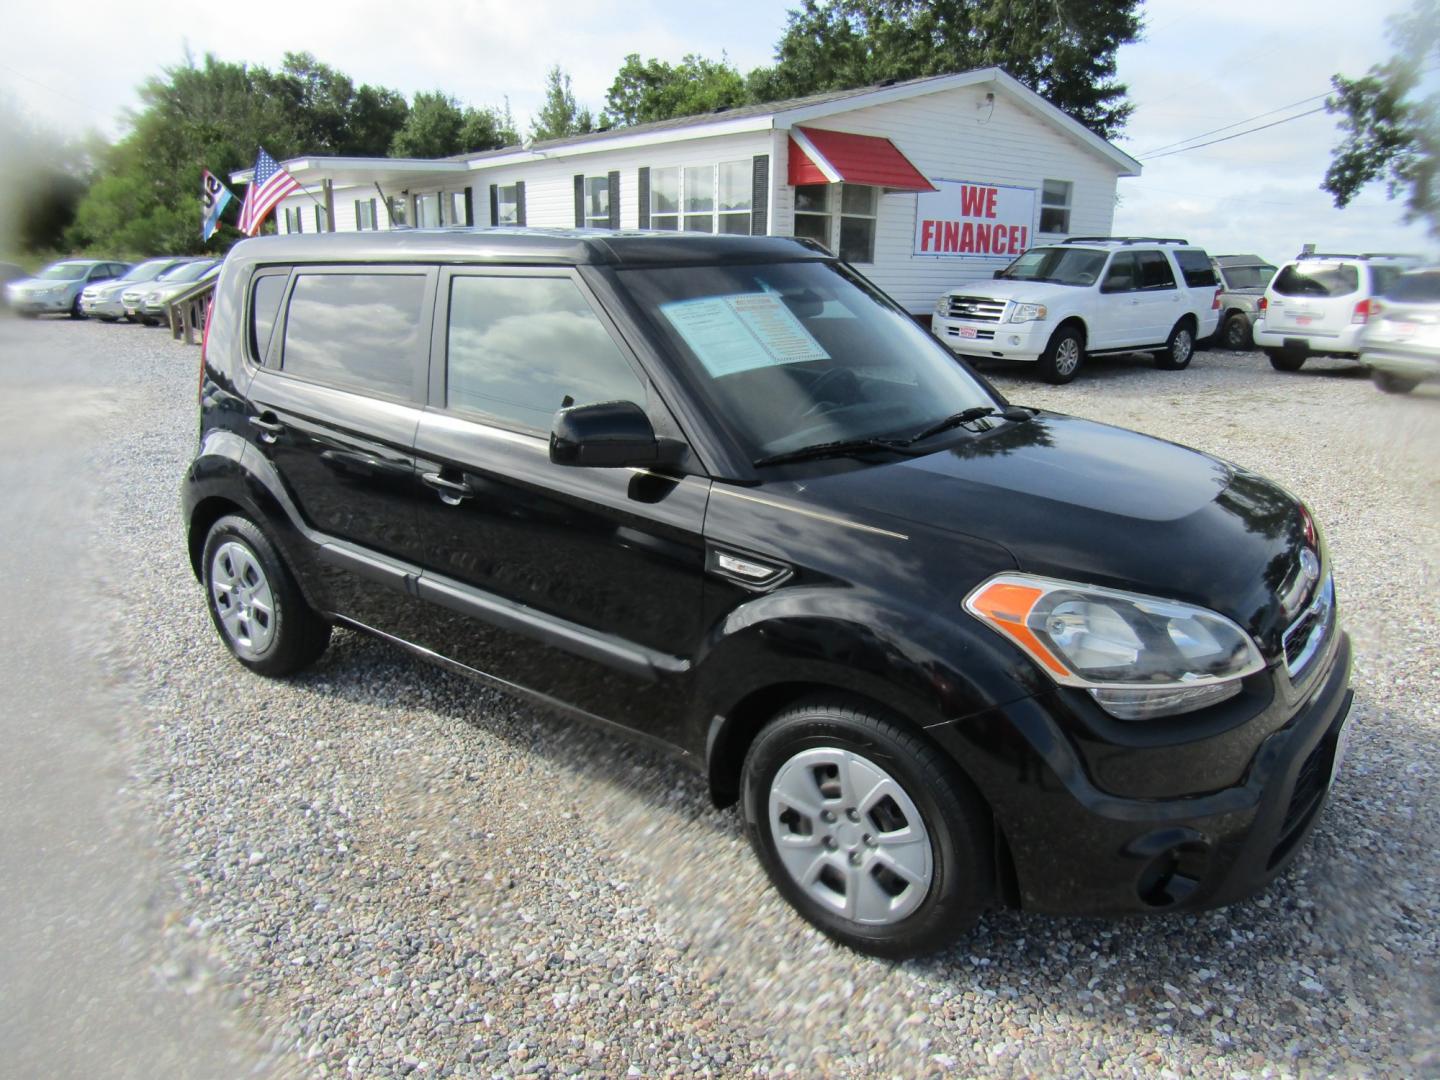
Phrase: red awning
(829, 157)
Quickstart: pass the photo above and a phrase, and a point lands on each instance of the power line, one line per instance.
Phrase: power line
(1247, 131)
(1237, 123)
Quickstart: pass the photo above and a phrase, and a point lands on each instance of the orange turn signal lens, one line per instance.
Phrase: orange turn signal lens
(1006, 606)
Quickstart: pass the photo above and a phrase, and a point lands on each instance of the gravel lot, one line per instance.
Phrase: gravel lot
(386, 869)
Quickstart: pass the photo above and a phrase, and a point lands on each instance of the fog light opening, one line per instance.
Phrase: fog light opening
(1172, 876)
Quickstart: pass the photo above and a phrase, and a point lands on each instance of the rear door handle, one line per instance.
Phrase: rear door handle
(452, 492)
(270, 428)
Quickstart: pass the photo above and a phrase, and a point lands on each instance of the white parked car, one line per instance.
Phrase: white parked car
(1319, 305)
(1057, 304)
(1401, 345)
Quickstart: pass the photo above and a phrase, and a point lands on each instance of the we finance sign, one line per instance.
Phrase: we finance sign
(965, 219)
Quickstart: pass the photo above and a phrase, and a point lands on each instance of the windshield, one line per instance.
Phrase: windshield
(148, 271)
(186, 271)
(1247, 277)
(790, 355)
(1057, 265)
(1415, 288)
(64, 272)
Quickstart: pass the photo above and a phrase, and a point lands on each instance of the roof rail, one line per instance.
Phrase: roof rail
(1390, 255)
(1124, 240)
(1329, 255)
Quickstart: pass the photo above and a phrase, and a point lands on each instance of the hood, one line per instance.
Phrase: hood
(1091, 503)
(109, 288)
(1029, 292)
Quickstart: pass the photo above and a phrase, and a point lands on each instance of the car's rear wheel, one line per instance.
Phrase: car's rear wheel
(1061, 360)
(1236, 334)
(868, 830)
(254, 602)
(1179, 348)
(1393, 384)
(1282, 360)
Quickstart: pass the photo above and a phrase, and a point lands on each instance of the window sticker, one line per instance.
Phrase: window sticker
(730, 334)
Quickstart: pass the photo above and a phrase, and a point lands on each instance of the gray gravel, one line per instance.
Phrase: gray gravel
(388, 870)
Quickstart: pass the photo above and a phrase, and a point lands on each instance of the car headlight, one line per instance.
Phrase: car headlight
(1138, 656)
(150, 298)
(942, 306)
(1027, 313)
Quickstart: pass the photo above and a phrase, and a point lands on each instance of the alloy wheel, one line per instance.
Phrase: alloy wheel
(243, 599)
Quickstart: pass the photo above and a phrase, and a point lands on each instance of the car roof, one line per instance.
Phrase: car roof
(1242, 260)
(561, 247)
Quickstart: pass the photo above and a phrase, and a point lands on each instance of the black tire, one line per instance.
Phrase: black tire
(1236, 333)
(106, 318)
(1392, 384)
(1063, 356)
(1283, 360)
(960, 881)
(75, 310)
(1179, 348)
(291, 636)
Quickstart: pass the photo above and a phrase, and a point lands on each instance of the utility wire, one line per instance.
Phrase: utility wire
(1237, 123)
(1227, 138)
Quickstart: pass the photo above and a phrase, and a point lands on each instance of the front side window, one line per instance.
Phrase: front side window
(597, 202)
(520, 348)
(1055, 198)
(1123, 275)
(790, 355)
(355, 331)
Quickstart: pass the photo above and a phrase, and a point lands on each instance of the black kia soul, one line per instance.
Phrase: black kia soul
(947, 652)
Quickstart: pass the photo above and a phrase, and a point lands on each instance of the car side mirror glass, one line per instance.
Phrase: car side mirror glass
(998, 273)
(610, 434)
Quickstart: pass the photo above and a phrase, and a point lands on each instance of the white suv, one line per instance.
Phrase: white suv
(1318, 305)
(1059, 303)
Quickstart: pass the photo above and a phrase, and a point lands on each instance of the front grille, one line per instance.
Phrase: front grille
(976, 308)
(1309, 791)
(1310, 630)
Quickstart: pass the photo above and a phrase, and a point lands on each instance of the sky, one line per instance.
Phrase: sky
(1202, 64)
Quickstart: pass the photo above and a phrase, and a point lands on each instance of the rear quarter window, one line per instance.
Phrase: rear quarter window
(355, 331)
(1337, 279)
(1196, 268)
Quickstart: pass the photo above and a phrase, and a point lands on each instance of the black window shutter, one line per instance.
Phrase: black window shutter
(760, 196)
(519, 202)
(470, 207)
(494, 204)
(579, 200)
(643, 185)
(614, 179)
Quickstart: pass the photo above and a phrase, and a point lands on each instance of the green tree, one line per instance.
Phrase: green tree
(439, 127)
(1064, 50)
(1391, 128)
(488, 128)
(646, 90)
(560, 117)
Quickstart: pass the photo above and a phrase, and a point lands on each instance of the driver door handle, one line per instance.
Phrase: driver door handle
(270, 428)
(451, 491)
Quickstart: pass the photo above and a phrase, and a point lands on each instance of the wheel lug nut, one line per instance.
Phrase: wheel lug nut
(852, 815)
(869, 840)
(854, 858)
(830, 843)
(827, 816)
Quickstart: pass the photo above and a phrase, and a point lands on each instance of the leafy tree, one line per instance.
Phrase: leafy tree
(646, 90)
(1064, 50)
(328, 114)
(438, 127)
(488, 128)
(560, 116)
(1391, 131)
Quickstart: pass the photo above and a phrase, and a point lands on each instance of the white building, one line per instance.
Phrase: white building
(920, 185)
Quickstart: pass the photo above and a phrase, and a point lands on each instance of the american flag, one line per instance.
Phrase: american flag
(268, 186)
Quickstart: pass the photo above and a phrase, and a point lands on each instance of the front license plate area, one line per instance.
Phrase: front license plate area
(967, 332)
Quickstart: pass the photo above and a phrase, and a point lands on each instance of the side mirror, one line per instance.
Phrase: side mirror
(611, 434)
(997, 273)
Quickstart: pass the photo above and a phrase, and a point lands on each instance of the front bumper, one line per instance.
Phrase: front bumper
(1345, 342)
(105, 307)
(32, 305)
(1079, 850)
(1009, 341)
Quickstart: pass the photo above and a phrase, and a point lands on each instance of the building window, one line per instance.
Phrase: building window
(399, 215)
(455, 207)
(427, 211)
(698, 185)
(736, 192)
(507, 204)
(597, 202)
(364, 214)
(1055, 206)
(322, 220)
(665, 198)
(294, 219)
(839, 216)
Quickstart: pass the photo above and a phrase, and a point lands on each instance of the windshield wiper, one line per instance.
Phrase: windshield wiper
(1015, 413)
(839, 448)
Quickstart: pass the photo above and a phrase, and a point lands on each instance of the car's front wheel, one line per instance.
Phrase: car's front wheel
(1179, 348)
(254, 602)
(867, 829)
(76, 311)
(1285, 360)
(1393, 384)
(1061, 360)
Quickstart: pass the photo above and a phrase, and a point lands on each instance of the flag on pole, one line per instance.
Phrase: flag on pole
(214, 197)
(268, 186)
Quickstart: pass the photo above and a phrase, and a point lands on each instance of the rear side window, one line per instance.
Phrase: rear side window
(1155, 270)
(520, 348)
(355, 331)
(265, 297)
(1196, 268)
(1334, 279)
(1415, 288)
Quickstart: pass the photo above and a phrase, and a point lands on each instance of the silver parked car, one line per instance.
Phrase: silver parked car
(146, 303)
(56, 289)
(102, 300)
(1401, 347)
(1243, 279)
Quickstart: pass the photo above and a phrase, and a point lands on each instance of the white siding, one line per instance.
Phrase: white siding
(956, 135)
